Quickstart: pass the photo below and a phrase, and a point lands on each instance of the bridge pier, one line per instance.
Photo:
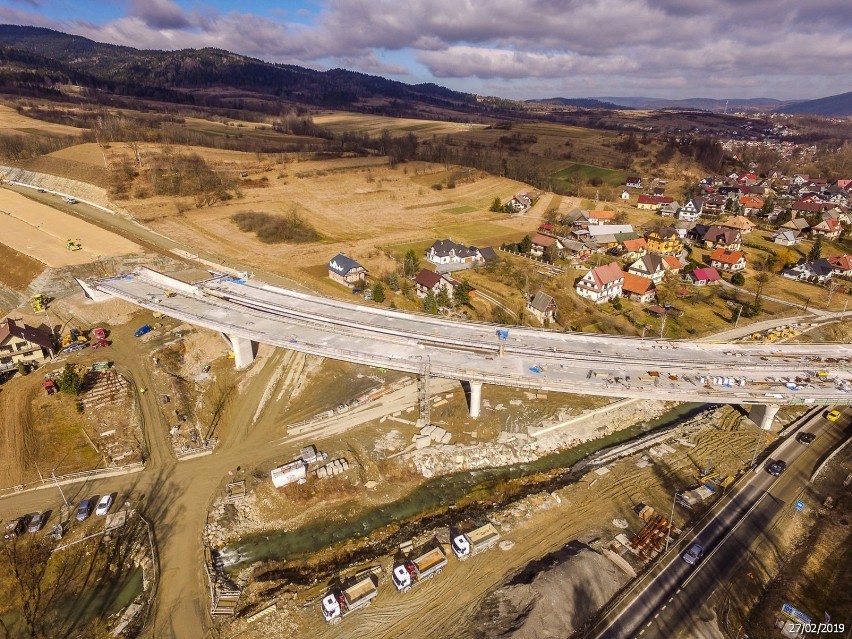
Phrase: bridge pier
(763, 414)
(475, 398)
(243, 349)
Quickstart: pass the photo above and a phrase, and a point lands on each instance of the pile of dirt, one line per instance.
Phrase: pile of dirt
(550, 597)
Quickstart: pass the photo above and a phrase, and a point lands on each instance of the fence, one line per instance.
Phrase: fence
(70, 478)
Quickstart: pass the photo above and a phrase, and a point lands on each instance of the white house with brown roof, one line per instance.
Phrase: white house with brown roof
(542, 307)
(638, 289)
(23, 343)
(738, 222)
(724, 259)
(540, 243)
(598, 218)
(650, 266)
(601, 284)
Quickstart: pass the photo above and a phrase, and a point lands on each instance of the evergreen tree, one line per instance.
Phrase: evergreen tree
(443, 298)
(378, 292)
(70, 381)
(393, 281)
(430, 304)
(496, 206)
(410, 263)
(525, 245)
(816, 250)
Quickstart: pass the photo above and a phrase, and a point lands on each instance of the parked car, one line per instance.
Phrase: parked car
(694, 554)
(36, 522)
(75, 347)
(99, 333)
(84, 509)
(15, 527)
(805, 438)
(777, 467)
(142, 330)
(100, 344)
(103, 505)
(833, 415)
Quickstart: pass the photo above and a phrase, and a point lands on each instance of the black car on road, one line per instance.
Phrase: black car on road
(776, 467)
(805, 438)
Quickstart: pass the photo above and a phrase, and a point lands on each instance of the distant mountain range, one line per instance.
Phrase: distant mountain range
(38, 61)
(835, 105)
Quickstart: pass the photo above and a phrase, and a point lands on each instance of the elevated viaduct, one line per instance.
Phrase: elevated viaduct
(248, 312)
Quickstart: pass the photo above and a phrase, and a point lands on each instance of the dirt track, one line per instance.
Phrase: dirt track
(40, 231)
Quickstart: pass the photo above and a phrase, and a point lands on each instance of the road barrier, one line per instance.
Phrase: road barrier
(71, 478)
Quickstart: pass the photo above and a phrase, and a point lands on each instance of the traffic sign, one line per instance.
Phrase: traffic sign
(795, 614)
(800, 505)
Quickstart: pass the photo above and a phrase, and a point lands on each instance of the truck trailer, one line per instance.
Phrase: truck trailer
(340, 602)
(470, 543)
(411, 572)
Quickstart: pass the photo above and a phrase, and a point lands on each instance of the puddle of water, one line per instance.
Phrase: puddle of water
(428, 497)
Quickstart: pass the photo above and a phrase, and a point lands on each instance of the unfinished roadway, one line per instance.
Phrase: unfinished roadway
(248, 311)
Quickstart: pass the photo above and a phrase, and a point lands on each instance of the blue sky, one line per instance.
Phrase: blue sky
(786, 49)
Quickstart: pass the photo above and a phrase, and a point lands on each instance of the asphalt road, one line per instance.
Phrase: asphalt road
(665, 605)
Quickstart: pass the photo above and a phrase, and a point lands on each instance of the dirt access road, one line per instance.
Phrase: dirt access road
(175, 496)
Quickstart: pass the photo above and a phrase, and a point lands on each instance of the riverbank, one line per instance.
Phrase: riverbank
(593, 503)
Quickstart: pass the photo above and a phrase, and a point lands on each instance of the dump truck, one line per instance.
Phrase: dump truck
(411, 572)
(340, 602)
(470, 543)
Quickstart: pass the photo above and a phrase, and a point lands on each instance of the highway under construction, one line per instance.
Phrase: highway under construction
(248, 312)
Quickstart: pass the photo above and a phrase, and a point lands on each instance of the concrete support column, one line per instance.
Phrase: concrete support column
(243, 350)
(475, 398)
(763, 414)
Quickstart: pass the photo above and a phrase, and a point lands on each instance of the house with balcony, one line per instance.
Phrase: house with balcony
(601, 284)
(21, 343)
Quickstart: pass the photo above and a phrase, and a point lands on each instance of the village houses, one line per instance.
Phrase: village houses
(346, 271)
(601, 284)
(24, 344)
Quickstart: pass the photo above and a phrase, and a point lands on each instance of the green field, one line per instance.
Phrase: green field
(582, 173)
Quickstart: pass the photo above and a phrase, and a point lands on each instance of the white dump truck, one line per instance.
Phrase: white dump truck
(470, 543)
(340, 602)
(411, 572)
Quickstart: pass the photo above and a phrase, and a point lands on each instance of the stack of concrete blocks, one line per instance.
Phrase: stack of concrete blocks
(332, 469)
(431, 433)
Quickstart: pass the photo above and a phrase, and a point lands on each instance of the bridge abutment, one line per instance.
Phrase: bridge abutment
(763, 414)
(243, 349)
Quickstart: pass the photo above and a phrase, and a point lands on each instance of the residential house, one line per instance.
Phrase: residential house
(601, 284)
(798, 224)
(653, 202)
(703, 276)
(715, 204)
(541, 243)
(803, 207)
(634, 182)
(691, 211)
(520, 203)
(739, 222)
(751, 204)
(21, 343)
(828, 229)
(625, 195)
(718, 236)
(542, 307)
(575, 249)
(346, 271)
(672, 264)
(576, 218)
(819, 271)
(733, 192)
(723, 259)
(787, 238)
(634, 249)
(650, 266)
(842, 265)
(665, 241)
(488, 253)
(599, 218)
(659, 191)
(638, 289)
(427, 280)
(449, 252)
(670, 209)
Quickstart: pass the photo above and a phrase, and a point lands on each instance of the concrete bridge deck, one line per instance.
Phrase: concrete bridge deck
(249, 311)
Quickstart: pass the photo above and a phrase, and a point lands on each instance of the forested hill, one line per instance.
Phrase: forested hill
(207, 75)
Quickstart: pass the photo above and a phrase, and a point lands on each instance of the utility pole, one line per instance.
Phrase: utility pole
(756, 447)
(671, 518)
(663, 324)
(737, 323)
